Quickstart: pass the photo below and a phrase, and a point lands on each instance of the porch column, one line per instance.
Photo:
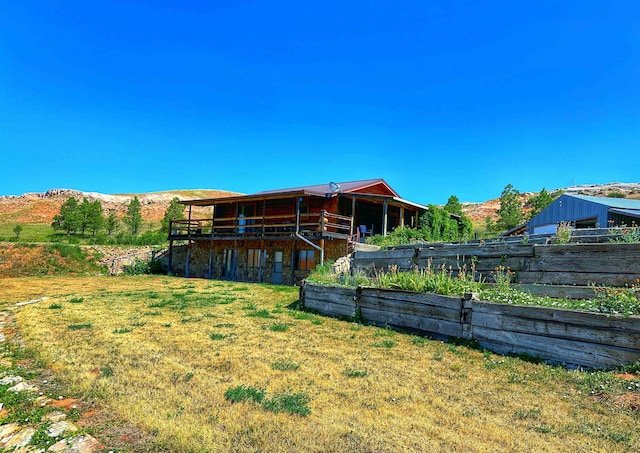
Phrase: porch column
(401, 216)
(385, 206)
(187, 265)
(210, 272)
(353, 216)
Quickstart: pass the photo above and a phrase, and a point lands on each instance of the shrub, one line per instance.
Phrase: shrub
(139, 267)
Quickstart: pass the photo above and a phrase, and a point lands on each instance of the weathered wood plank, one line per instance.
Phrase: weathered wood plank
(558, 291)
(576, 278)
(554, 349)
(596, 335)
(454, 303)
(384, 254)
(627, 323)
(410, 308)
(467, 250)
(329, 308)
(436, 327)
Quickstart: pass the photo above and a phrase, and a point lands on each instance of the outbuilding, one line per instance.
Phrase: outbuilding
(583, 211)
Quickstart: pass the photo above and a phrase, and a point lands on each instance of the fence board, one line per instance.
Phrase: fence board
(558, 291)
(435, 327)
(600, 335)
(576, 278)
(554, 349)
(453, 303)
(455, 250)
(410, 308)
(332, 301)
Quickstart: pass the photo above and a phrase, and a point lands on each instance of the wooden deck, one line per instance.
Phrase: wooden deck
(320, 225)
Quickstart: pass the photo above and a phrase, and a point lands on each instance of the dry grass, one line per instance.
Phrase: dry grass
(161, 352)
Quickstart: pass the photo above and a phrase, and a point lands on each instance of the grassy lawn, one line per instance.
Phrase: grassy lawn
(205, 365)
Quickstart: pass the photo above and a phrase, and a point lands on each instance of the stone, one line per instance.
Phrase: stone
(7, 380)
(55, 416)
(23, 387)
(80, 444)
(7, 430)
(58, 428)
(21, 438)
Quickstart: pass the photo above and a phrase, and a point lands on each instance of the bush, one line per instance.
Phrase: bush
(139, 267)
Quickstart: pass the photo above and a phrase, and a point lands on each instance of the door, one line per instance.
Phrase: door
(276, 272)
(229, 260)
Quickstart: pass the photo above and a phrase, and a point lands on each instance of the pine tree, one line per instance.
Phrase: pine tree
(133, 217)
(69, 218)
(175, 211)
(112, 222)
(539, 202)
(510, 213)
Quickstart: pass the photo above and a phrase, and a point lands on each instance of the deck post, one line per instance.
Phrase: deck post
(187, 265)
(385, 207)
(210, 271)
(170, 258)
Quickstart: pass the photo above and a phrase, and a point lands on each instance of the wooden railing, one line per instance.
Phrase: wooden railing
(318, 223)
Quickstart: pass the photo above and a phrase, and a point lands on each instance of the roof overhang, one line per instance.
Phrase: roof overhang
(627, 212)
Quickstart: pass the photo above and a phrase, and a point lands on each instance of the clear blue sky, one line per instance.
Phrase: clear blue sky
(437, 98)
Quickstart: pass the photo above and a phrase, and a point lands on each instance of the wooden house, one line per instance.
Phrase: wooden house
(279, 236)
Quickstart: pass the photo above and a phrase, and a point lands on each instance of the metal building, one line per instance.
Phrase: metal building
(582, 211)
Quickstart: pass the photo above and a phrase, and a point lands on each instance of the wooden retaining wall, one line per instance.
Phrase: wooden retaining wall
(567, 337)
(612, 264)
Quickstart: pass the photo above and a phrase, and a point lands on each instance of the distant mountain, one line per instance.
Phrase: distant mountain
(40, 207)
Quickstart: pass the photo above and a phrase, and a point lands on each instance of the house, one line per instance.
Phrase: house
(582, 211)
(279, 236)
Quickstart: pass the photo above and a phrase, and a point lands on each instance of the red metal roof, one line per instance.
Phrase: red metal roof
(365, 187)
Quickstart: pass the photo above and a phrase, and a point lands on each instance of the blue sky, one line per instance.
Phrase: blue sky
(437, 98)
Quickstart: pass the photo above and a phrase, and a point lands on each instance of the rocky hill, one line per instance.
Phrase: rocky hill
(39, 208)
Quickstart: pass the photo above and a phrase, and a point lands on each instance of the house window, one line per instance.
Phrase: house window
(306, 259)
(254, 257)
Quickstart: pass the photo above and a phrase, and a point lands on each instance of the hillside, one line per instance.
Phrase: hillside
(477, 212)
(39, 208)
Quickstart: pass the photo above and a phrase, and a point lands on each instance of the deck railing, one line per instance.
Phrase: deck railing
(321, 223)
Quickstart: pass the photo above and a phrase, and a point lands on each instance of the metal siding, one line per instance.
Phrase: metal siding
(569, 209)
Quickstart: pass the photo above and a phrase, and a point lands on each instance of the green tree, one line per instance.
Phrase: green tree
(69, 218)
(510, 213)
(17, 230)
(465, 226)
(539, 202)
(91, 215)
(175, 211)
(133, 217)
(112, 222)
(453, 205)
(437, 225)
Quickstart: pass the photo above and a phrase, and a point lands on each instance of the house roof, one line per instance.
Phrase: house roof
(373, 188)
(620, 203)
(344, 187)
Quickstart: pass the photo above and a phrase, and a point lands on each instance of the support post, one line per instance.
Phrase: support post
(385, 207)
(210, 271)
(170, 258)
(188, 264)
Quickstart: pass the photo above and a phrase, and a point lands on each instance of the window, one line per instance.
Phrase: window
(254, 257)
(306, 259)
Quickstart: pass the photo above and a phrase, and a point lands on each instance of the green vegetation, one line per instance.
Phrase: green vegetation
(175, 211)
(133, 217)
(510, 213)
(446, 223)
(446, 282)
(540, 201)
